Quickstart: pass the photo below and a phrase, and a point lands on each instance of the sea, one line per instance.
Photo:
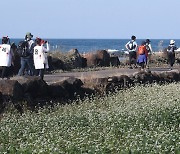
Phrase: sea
(91, 45)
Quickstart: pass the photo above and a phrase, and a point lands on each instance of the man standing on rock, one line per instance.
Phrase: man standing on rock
(131, 46)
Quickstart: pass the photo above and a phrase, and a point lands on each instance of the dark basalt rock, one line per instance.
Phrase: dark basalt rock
(103, 58)
(119, 82)
(37, 92)
(66, 89)
(99, 58)
(114, 61)
(169, 76)
(11, 88)
(32, 85)
(55, 64)
(57, 91)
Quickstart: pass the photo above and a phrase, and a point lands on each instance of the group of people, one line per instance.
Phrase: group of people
(32, 54)
(141, 55)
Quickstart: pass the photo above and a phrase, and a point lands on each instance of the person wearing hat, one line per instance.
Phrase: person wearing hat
(6, 55)
(27, 61)
(149, 50)
(131, 46)
(171, 53)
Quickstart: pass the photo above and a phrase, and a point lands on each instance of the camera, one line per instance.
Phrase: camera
(43, 42)
(40, 41)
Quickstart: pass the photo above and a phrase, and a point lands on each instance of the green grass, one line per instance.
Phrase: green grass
(138, 120)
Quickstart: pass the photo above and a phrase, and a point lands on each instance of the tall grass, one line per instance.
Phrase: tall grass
(138, 120)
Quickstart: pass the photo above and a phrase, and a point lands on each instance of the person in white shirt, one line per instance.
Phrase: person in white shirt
(149, 50)
(131, 46)
(6, 55)
(40, 57)
(171, 53)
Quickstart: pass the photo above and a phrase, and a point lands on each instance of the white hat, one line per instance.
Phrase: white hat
(172, 41)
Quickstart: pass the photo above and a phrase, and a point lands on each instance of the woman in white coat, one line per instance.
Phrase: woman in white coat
(40, 57)
(5, 56)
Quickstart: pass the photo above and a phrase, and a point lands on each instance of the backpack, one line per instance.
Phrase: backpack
(22, 49)
(147, 47)
(171, 48)
(141, 50)
(131, 46)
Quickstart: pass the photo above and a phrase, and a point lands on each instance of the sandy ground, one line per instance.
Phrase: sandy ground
(51, 78)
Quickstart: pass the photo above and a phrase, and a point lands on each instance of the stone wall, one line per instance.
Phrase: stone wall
(36, 92)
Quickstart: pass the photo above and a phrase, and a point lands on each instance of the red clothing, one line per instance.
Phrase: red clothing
(142, 50)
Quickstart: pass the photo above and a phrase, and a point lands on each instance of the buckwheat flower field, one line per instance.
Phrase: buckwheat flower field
(136, 120)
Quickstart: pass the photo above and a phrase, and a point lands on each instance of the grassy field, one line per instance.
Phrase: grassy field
(137, 120)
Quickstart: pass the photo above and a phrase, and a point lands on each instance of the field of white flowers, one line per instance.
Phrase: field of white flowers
(137, 120)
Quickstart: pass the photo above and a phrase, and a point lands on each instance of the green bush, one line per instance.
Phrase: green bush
(137, 120)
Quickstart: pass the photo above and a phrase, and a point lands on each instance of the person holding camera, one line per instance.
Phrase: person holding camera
(40, 57)
(27, 56)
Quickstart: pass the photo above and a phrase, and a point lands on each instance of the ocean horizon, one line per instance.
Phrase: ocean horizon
(90, 45)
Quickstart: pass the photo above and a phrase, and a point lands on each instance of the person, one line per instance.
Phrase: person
(6, 55)
(142, 55)
(131, 46)
(27, 59)
(171, 53)
(149, 50)
(15, 59)
(40, 57)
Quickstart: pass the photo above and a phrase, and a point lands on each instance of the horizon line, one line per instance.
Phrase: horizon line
(105, 38)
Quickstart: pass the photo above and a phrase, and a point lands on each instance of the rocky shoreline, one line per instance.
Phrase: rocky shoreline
(35, 92)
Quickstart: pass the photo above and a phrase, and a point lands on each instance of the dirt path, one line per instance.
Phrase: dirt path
(50, 78)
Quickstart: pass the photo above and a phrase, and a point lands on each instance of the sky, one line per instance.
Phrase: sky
(91, 19)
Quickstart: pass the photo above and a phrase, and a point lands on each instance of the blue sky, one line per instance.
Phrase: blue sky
(116, 19)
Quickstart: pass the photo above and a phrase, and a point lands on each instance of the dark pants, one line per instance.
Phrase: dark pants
(132, 57)
(5, 72)
(40, 72)
(142, 65)
(171, 58)
(26, 63)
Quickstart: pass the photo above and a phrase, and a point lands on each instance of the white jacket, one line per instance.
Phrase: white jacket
(149, 48)
(5, 55)
(40, 57)
(132, 42)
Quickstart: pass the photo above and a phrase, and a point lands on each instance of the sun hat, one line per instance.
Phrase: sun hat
(148, 40)
(28, 34)
(172, 41)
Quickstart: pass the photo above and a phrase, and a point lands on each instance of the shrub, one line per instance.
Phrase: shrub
(138, 120)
